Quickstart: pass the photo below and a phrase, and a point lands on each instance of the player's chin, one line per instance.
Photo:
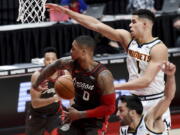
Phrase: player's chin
(123, 123)
(73, 57)
(133, 35)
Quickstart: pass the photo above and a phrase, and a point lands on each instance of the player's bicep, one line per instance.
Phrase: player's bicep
(34, 76)
(59, 64)
(156, 60)
(105, 82)
(159, 53)
(64, 63)
(34, 93)
(120, 35)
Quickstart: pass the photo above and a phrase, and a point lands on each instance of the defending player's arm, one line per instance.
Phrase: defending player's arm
(170, 89)
(89, 22)
(150, 72)
(51, 69)
(36, 101)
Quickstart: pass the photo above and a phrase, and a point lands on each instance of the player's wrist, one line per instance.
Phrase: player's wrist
(82, 114)
(170, 76)
(34, 86)
(55, 99)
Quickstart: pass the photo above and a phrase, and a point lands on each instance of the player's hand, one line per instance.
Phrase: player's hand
(168, 68)
(55, 7)
(43, 86)
(72, 114)
(56, 98)
(177, 24)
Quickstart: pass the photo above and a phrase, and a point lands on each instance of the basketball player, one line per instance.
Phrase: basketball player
(94, 97)
(145, 53)
(130, 109)
(44, 110)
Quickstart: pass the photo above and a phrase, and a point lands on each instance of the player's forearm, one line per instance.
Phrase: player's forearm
(47, 72)
(101, 111)
(106, 108)
(170, 87)
(134, 84)
(164, 103)
(87, 21)
(41, 102)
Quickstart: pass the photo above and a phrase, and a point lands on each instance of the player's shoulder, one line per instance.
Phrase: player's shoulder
(160, 48)
(35, 75)
(126, 34)
(160, 45)
(66, 58)
(105, 74)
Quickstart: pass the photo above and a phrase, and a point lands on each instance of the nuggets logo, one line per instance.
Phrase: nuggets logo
(139, 56)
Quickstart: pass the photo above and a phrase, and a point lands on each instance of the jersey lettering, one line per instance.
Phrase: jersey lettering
(86, 95)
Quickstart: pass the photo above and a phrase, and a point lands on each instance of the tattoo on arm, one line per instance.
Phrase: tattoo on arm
(51, 69)
(105, 82)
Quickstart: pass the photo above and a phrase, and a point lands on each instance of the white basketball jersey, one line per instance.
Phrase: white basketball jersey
(141, 129)
(137, 61)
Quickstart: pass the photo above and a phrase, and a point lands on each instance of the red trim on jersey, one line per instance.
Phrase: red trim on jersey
(60, 107)
(106, 108)
(99, 64)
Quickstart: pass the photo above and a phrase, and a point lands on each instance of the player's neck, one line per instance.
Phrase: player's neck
(135, 122)
(145, 38)
(87, 64)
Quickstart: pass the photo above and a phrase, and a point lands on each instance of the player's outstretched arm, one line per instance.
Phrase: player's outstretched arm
(89, 22)
(50, 70)
(169, 93)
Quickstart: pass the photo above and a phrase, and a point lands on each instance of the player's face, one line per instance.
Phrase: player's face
(49, 58)
(124, 116)
(136, 27)
(76, 51)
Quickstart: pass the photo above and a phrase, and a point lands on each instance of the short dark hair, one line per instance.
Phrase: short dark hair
(145, 13)
(49, 49)
(133, 103)
(86, 41)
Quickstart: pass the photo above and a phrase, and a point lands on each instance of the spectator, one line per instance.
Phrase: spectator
(76, 5)
(176, 25)
(104, 45)
(134, 5)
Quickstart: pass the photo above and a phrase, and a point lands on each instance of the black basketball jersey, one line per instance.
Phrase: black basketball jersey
(50, 92)
(87, 92)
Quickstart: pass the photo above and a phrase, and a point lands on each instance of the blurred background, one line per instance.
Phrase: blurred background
(21, 44)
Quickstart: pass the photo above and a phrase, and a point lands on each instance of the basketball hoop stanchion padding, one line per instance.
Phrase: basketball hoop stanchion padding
(31, 11)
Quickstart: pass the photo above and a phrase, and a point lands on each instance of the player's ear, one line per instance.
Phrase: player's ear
(132, 112)
(84, 51)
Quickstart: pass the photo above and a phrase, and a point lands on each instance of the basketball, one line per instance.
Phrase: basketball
(64, 87)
